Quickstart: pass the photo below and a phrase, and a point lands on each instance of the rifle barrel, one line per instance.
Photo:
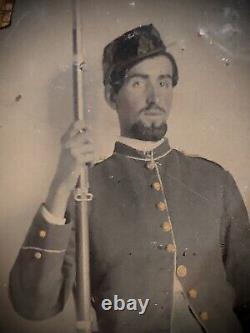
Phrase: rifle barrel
(82, 292)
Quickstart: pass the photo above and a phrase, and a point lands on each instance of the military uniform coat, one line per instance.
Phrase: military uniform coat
(154, 216)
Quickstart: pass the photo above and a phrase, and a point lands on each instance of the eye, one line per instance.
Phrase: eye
(137, 84)
(164, 83)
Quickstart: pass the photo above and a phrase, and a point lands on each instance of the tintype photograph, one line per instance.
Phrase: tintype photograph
(125, 135)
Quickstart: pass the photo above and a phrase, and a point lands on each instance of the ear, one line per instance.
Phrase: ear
(110, 96)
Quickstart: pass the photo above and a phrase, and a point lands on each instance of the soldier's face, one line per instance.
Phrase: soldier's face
(143, 103)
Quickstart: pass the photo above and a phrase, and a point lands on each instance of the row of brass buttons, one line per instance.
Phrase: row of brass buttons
(166, 226)
(192, 293)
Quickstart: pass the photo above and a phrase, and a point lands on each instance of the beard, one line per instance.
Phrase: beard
(148, 133)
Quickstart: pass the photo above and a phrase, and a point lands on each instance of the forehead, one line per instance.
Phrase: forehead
(158, 65)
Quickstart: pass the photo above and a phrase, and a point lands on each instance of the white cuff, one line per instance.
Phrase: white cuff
(50, 218)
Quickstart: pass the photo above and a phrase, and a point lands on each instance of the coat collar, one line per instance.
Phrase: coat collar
(160, 151)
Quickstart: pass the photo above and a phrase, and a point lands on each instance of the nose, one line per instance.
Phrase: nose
(152, 96)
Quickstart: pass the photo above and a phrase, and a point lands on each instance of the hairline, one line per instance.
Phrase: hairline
(165, 53)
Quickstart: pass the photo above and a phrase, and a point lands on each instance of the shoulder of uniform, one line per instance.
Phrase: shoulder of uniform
(101, 161)
(206, 161)
(100, 166)
(200, 161)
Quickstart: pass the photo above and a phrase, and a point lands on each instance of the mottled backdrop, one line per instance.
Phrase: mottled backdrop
(210, 116)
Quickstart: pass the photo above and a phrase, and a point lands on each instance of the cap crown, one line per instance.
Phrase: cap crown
(130, 48)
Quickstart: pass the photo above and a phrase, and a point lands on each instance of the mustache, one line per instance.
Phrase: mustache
(152, 106)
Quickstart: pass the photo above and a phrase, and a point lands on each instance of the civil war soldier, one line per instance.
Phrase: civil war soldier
(164, 227)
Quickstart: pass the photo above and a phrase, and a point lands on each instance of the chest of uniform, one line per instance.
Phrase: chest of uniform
(143, 210)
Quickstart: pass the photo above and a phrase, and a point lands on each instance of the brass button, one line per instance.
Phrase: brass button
(38, 255)
(171, 248)
(204, 315)
(42, 233)
(166, 226)
(161, 206)
(192, 293)
(156, 186)
(150, 165)
(181, 271)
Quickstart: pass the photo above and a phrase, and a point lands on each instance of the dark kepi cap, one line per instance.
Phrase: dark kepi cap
(130, 48)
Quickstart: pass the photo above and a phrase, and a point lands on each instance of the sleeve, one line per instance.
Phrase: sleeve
(237, 249)
(43, 274)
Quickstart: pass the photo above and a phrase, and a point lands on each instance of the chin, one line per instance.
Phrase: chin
(148, 133)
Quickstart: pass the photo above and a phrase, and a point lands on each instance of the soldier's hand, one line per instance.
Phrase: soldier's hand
(77, 150)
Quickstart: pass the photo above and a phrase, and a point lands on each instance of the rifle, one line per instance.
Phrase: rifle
(82, 196)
